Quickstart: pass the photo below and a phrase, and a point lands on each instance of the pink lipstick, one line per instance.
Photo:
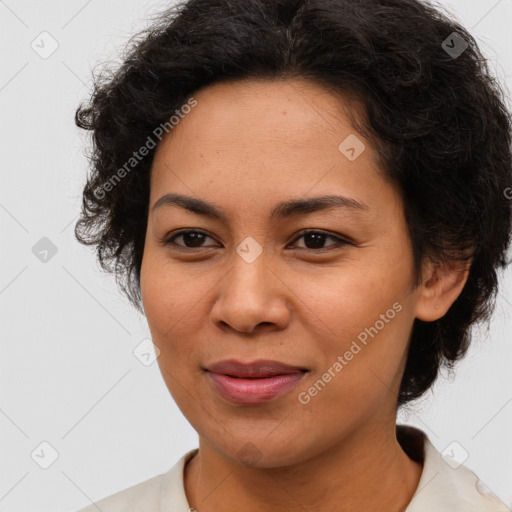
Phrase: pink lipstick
(253, 383)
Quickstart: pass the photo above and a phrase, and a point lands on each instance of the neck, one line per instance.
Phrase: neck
(368, 470)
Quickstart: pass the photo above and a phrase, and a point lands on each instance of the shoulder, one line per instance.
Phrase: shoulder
(143, 496)
(445, 484)
(153, 495)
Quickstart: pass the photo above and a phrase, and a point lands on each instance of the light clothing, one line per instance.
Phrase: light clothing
(443, 487)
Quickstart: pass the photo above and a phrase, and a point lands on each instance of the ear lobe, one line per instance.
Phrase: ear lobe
(443, 284)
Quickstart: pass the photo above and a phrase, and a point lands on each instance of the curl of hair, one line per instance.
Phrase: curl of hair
(439, 124)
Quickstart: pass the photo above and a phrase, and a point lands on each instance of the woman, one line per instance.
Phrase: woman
(234, 139)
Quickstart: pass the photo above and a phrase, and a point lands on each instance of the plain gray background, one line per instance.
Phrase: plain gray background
(68, 374)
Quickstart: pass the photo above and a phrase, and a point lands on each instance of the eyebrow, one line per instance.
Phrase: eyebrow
(282, 210)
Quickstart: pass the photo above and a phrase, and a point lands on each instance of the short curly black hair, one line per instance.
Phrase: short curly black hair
(435, 114)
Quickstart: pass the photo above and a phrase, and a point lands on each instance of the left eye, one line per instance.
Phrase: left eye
(316, 239)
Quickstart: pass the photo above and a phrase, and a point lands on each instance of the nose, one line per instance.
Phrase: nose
(252, 296)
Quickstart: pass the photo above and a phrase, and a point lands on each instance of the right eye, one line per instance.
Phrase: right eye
(192, 239)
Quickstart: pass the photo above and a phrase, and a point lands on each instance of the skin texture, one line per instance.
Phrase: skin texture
(245, 147)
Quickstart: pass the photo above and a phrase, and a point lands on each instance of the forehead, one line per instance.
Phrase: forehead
(265, 111)
(263, 141)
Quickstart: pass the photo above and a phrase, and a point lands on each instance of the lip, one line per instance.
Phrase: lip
(253, 383)
(260, 368)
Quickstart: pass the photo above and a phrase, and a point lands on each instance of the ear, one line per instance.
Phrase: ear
(442, 285)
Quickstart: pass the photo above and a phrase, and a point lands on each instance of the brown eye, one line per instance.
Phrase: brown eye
(315, 240)
(191, 239)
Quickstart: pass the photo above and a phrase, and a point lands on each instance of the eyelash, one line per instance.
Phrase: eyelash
(340, 241)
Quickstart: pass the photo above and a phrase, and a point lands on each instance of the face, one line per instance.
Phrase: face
(337, 302)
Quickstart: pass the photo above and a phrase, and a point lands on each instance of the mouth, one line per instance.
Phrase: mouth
(253, 383)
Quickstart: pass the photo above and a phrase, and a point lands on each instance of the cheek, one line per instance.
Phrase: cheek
(346, 301)
(363, 315)
(169, 307)
(171, 298)
(176, 312)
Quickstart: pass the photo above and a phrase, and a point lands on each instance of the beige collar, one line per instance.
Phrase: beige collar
(443, 486)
